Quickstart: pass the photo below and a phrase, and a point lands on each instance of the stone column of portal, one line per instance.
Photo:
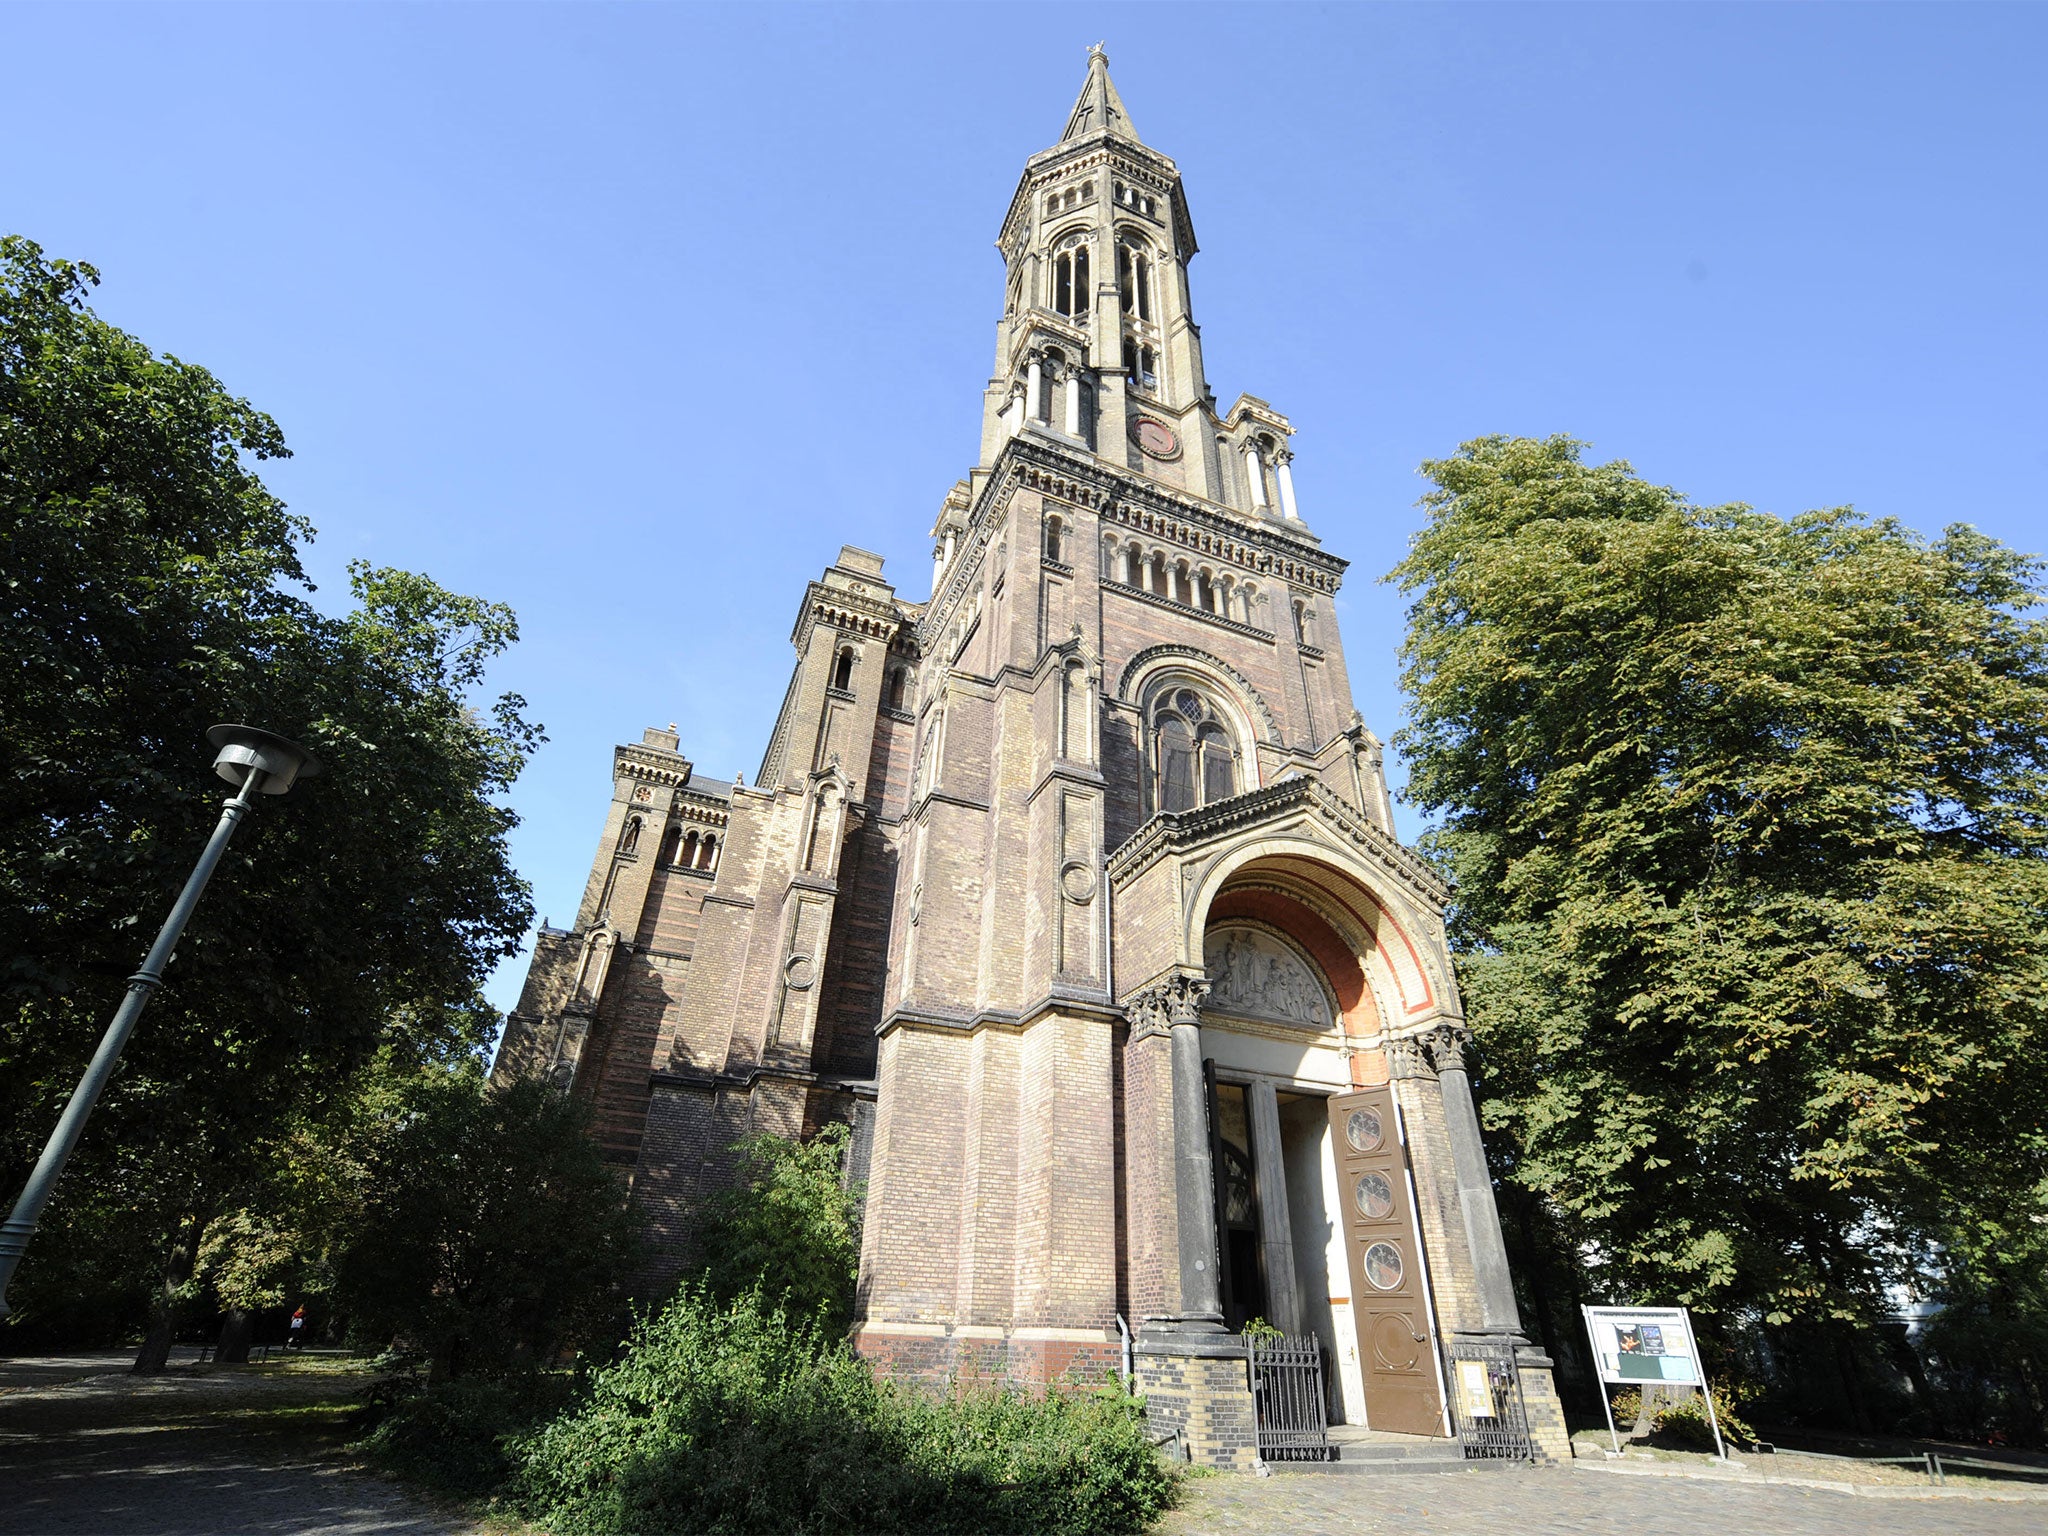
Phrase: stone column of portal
(1255, 477)
(1194, 1176)
(1286, 474)
(1276, 1233)
(1033, 401)
(1073, 403)
(1497, 1307)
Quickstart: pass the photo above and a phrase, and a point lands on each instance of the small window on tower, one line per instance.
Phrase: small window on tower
(1052, 540)
(1148, 368)
(842, 673)
(1144, 286)
(1063, 284)
(1130, 357)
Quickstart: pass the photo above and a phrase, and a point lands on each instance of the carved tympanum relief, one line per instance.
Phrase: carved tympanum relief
(1255, 976)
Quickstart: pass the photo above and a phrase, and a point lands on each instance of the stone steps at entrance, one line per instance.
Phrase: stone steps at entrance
(1369, 1452)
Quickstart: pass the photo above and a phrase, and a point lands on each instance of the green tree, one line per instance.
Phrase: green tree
(150, 585)
(485, 1230)
(789, 1226)
(1747, 824)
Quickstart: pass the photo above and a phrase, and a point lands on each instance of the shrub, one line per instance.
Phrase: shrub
(736, 1417)
(1685, 1425)
(789, 1227)
(456, 1436)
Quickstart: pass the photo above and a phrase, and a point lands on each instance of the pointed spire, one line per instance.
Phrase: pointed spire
(1099, 108)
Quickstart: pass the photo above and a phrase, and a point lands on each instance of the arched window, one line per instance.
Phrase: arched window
(670, 843)
(1193, 762)
(898, 681)
(630, 838)
(1052, 540)
(1134, 567)
(1070, 278)
(687, 856)
(1300, 622)
(707, 852)
(842, 671)
(1182, 592)
(1205, 592)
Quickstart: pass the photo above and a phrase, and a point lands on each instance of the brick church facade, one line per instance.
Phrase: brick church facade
(1074, 888)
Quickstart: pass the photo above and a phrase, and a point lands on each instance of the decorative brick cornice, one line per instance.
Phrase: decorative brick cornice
(874, 615)
(651, 765)
(1124, 589)
(1127, 500)
(1176, 832)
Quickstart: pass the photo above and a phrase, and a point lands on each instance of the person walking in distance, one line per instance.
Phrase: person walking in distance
(297, 1337)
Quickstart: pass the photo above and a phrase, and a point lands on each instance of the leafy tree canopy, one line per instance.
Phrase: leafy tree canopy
(1747, 821)
(150, 586)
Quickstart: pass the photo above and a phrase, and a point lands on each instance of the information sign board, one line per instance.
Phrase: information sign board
(1653, 1346)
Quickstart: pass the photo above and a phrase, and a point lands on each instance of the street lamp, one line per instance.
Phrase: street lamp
(256, 762)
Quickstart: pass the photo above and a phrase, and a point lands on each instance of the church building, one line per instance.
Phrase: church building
(1074, 888)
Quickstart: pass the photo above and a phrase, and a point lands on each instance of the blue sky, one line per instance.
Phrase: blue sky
(629, 316)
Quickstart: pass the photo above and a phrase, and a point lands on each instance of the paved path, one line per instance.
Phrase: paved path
(1573, 1501)
(87, 1450)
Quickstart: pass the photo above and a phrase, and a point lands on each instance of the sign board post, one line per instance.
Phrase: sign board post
(1647, 1346)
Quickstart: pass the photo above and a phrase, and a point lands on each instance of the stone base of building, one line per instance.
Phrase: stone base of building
(1548, 1433)
(1034, 1358)
(1203, 1399)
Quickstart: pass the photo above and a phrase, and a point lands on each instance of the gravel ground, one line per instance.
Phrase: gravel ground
(87, 1450)
(1579, 1500)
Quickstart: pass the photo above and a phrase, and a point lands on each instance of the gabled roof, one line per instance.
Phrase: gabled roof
(1098, 108)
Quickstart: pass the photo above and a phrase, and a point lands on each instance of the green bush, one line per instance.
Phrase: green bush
(456, 1436)
(734, 1417)
(1684, 1424)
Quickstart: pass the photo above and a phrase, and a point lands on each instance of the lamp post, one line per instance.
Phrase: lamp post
(256, 762)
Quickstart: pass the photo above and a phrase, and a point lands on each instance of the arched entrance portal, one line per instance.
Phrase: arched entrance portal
(1316, 1225)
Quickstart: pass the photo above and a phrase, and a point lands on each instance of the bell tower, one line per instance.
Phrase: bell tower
(1097, 348)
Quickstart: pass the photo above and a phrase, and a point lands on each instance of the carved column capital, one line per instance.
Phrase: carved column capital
(1447, 1045)
(1173, 999)
(1407, 1059)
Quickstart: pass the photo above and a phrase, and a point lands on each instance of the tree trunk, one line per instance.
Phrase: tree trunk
(235, 1335)
(163, 1315)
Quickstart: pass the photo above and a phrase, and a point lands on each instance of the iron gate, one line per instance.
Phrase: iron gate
(1486, 1398)
(1287, 1397)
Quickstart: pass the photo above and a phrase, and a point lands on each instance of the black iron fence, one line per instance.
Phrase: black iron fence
(1287, 1397)
(1486, 1400)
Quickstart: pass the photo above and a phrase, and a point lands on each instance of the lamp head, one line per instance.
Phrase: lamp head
(243, 749)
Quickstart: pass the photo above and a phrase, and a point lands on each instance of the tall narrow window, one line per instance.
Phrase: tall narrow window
(1134, 567)
(1125, 282)
(1052, 540)
(1131, 358)
(842, 673)
(897, 681)
(1219, 776)
(1144, 286)
(687, 854)
(1148, 367)
(1176, 765)
(1300, 624)
(630, 839)
(670, 843)
(1080, 294)
(707, 852)
(1063, 284)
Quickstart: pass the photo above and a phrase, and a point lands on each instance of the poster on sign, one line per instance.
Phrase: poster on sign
(1638, 1346)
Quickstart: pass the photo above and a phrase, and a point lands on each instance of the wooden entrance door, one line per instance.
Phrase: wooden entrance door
(1384, 1251)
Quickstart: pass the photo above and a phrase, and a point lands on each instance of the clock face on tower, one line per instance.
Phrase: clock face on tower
(1155, 438)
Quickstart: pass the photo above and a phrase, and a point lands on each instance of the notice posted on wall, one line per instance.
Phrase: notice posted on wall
(1637, 1344)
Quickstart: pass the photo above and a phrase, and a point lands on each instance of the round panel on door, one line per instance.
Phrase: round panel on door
(1374, 1196)
(1383, 1268)
(1362, 1129)
(1394, 1345)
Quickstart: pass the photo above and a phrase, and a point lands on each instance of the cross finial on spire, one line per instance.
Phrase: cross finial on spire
(1099, 109)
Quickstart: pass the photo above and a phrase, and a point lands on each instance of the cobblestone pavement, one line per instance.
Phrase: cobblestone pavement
(89, 1451)
(1574, 1501)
